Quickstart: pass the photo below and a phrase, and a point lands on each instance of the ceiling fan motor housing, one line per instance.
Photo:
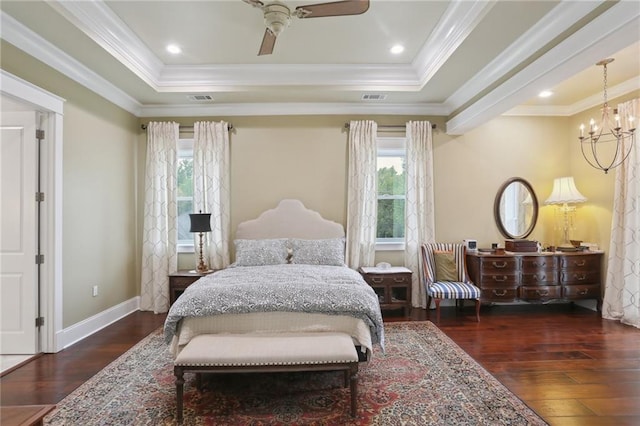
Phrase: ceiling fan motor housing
(277, 17)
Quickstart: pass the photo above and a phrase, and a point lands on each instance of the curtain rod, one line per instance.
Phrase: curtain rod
(186, 128)
(390, 128)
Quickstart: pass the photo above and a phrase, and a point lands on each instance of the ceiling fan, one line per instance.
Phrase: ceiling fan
(277, 16)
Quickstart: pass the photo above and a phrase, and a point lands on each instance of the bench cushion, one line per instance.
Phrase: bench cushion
(267, 349)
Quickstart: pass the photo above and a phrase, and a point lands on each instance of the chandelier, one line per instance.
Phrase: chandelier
(597, 146)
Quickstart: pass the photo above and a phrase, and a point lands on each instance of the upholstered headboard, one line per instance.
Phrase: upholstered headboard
(290, 219)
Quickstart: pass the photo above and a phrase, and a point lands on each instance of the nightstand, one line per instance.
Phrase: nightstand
(179, 281)
(392, 285)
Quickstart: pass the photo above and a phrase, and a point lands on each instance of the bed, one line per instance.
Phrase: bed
(288, 279)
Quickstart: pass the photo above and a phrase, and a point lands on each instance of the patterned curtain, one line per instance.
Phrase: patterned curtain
(211, 187)
(159, 252)
(622, 289)
(362, 197)
(419, 208)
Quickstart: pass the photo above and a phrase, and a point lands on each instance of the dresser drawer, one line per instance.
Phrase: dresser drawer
(499, 294)
(388, 279)
(538, 263)
(581, 291)
(499, 280)
(584, 262)
(540, 292)
(571, 277)
(499, 265)
(539, 278)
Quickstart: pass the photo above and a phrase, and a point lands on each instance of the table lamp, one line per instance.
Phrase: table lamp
(201, 223)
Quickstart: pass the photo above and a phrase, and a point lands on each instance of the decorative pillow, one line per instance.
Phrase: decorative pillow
(261, 252)
(318, 252)
(445, 266)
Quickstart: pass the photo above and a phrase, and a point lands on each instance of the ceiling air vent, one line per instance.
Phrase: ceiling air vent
(374, 97)
(200, 98)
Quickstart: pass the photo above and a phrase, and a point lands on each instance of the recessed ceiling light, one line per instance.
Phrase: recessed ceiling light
(397, 49)
(174, 49)
(545, 94)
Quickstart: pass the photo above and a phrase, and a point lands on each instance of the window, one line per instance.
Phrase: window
(391, 166)
(184, 194)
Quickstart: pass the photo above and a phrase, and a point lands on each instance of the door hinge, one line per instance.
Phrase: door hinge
(39, 259)
(40, 322)
(39, 134)
(39, 197)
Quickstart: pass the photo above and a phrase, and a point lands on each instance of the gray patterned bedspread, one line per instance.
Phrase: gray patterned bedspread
(335, 290)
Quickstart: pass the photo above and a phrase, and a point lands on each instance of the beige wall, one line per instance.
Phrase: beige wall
(99, 198)
(301, 157)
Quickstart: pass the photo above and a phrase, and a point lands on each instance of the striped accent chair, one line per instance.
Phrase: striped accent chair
(460, 289)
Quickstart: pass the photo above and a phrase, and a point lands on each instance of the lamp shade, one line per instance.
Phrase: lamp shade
(565, 191)
(200, 222)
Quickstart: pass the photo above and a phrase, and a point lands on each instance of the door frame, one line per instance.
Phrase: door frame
(50, 109)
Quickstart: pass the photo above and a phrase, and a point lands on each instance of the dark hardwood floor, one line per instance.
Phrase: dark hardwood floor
(568, 364)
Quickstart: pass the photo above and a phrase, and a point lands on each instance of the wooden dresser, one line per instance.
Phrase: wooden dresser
(533, 277)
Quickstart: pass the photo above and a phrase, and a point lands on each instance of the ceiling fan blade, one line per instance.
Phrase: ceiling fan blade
(254, 3)
(268, 42)
(336, 8)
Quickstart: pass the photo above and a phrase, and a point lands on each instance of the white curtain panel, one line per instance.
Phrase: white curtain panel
(159, 252)
(419, 207)
(622, 289)
(211, 188)
(362, 197)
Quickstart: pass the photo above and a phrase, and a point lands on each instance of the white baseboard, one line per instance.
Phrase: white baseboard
(87, 327)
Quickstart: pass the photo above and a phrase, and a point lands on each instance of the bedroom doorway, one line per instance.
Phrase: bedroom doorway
(30, 170)
(19, 285)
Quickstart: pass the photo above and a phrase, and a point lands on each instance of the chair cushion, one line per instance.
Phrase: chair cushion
(453, 290)
(445, 264)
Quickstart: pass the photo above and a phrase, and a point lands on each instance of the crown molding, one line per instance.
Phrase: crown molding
(26, 40)
(613, 30)
(455, 25)
(290, 108)
(543, 32)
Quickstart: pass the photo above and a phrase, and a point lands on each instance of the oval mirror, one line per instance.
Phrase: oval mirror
(516, 208)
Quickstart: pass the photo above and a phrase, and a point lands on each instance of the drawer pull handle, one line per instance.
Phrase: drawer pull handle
(499, 265)
(500, 293)
(539, 264)
(580, 277)
(583, 292)
(500, 279)
(542, 293)
(581, 262)
(377, 280)
(398, 279)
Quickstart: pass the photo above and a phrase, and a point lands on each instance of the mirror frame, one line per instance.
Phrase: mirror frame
(496, 209)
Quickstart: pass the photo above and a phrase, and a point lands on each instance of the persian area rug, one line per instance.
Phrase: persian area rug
(423, 378)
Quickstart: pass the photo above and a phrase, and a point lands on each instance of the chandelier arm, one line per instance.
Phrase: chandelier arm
(586, 157)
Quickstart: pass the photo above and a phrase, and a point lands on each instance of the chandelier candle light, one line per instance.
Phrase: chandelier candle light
(201, 223)
(610, 130)
(564, 193)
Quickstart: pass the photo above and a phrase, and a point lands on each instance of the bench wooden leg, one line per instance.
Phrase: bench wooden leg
(354, 390)
(179, 373)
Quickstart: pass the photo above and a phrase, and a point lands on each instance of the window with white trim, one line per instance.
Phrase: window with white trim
(184, 194)
(391, 167)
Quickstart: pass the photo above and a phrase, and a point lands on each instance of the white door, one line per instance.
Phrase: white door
(18, 273)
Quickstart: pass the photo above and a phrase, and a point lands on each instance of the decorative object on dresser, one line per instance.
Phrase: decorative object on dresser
(515, 208)
(612, 128)
(537, 277)
(564, 193)
(392, 284)
(201, 223)
(179, 281)
(521, 245)
(446, 277)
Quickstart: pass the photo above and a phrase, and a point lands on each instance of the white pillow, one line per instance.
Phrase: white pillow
(318, 252)
(261, 252)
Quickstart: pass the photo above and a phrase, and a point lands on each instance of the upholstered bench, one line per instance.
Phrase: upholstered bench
(266, 352)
